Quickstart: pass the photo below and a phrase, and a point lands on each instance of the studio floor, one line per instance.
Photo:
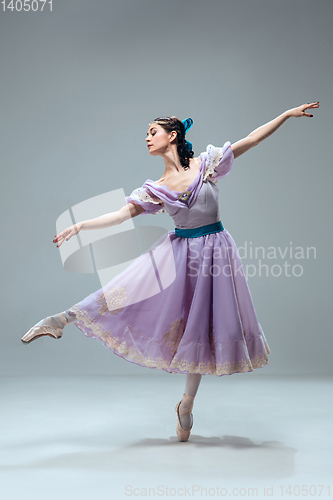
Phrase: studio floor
(254, 435)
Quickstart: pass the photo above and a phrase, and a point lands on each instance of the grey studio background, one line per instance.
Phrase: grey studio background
(79, 86)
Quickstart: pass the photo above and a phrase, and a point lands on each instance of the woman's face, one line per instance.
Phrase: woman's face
(158, 139)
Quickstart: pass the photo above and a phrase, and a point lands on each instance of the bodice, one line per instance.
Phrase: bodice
(205, 209)
(198, 205)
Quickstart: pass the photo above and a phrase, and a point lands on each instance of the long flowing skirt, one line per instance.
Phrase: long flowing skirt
(183, 306)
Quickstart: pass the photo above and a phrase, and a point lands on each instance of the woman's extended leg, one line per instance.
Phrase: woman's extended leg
(51, 325)
(70, 316)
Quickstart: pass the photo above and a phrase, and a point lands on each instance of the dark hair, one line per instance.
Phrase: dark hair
(170, 123)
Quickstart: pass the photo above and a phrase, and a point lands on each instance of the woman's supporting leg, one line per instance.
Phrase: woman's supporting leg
(191, 387)
(192, 383)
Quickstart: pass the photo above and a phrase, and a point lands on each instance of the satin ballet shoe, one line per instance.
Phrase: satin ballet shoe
(182, 434)
(48, 326)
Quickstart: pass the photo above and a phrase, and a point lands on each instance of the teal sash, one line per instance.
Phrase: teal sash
(195, 232)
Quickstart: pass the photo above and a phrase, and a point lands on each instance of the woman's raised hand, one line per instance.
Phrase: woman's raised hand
(66, 234)
(300, 111)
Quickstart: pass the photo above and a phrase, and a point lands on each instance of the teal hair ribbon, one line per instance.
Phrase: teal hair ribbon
(188, 122)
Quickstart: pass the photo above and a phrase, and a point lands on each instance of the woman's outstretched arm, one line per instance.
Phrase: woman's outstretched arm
(112, 219)
(261, 133)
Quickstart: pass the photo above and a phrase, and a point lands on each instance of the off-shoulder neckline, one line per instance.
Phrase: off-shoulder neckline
(189, 187)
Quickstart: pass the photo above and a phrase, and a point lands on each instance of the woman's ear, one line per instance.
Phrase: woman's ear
(173, 135)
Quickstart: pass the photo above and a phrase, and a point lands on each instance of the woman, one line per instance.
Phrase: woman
(190, 312)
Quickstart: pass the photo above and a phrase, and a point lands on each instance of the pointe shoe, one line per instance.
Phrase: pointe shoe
(182, 434)
(42, 328)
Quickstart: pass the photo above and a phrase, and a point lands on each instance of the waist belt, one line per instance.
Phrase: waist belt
(195, 232)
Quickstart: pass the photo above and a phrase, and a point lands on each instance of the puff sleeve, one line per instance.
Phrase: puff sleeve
(218, 161)
(147, 200)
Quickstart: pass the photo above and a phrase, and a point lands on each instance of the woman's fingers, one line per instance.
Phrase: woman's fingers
(304, 107)
(60, 238)
(65, 236)
(59, 241)
(300, 110)
(312, 105)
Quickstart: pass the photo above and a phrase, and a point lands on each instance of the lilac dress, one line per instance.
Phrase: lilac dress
(189, 309)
